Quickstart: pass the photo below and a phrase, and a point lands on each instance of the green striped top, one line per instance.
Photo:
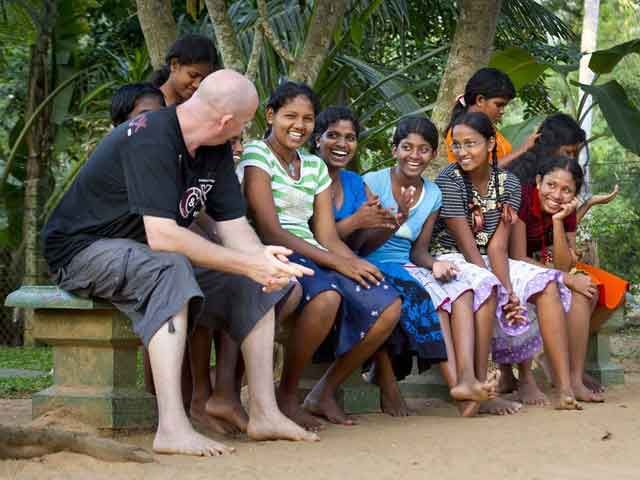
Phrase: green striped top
(293, 198)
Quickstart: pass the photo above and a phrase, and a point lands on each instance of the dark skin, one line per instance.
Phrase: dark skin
(291, 126)
(474, 160)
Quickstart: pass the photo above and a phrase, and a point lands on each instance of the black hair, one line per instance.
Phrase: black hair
(187, 50)
(328, 117)
(124, 100)
(488, 82)
(287, 91)
(557, 130)
(479, 122)
(571, 165)
(416, 124)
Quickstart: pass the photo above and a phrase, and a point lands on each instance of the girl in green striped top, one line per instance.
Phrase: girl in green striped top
(289, 199)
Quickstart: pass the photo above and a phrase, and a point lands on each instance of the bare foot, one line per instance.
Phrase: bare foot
(507, 381)
(592, 384)
(500, 406)
(278, 427)
(325, 406)
(228, 409)
(201, 419)
(475, 391)
(391, 401)
(468, 409)
(563, 400)
(291, 408)
(584, 394)
(530, 394)
(188, 442)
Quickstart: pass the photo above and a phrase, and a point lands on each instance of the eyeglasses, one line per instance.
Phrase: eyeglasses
(466, 146)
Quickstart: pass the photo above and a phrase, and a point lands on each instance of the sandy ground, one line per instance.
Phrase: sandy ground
(603, 441)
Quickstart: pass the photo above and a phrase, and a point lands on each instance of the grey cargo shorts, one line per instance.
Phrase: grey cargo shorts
(151, 287)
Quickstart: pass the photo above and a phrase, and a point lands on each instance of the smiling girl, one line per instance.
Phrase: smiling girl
(547, 227)
(479, 206)
(286, 190)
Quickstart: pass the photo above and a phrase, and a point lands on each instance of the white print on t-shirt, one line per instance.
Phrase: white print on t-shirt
(194, 198)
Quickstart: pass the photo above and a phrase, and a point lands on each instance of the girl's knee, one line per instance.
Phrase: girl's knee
(391, 314)
(327, 301)
(551, 290)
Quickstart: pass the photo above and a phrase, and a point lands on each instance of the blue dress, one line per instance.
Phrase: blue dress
(418, 332)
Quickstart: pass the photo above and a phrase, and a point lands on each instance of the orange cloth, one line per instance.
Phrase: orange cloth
(611, 288)
(503, 147)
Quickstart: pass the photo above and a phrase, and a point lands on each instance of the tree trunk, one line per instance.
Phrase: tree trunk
(226, 39)
(326, 16)
(158, 27)
(17, 442)
(470, 50)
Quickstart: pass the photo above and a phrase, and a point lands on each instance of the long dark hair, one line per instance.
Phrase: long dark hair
(479, 122)
(416, 124)
(557, 130)
(488, 82)
(187, 50)
(328, 117)
(287, 91)
(571, 165)
(124, 100)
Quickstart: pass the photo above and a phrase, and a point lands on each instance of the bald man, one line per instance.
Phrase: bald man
(120, 233)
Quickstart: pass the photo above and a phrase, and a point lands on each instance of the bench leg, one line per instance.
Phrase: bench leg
(94, 354)
(599, 363)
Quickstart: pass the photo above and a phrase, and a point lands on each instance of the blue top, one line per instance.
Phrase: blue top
(354, 195)
(398, 248)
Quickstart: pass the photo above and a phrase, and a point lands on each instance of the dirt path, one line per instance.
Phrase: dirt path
(603, 441)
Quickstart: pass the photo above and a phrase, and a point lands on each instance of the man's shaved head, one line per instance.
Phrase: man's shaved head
(228, 92)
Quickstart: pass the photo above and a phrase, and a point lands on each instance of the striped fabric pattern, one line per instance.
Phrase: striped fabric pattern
(293, 198)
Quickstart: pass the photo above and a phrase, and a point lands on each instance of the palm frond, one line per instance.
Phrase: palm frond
(522, 18)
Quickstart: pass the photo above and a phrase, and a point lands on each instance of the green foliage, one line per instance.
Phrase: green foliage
(27, 358)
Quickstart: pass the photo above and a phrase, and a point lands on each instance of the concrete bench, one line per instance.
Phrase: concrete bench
(599, 363)
(94, 358)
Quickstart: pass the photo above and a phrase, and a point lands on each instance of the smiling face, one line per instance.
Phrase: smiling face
(185, 79)
(492, 107)
(292, 124)
(555, 189)
(413, 154)
(470, 148)
(338, 144)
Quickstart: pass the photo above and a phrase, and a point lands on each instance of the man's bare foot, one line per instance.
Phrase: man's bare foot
(507, 382)
(325, 406)
(468, 409)
(291, 408)
(565, 400)
(188, 442)
(392, 403)
(278, 427)
(530, 394)
(500, 406)
(592, 384)
(584, 394)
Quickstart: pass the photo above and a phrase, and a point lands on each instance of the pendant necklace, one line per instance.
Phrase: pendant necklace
(291, 168)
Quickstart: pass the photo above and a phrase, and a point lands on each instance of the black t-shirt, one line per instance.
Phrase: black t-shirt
(141, 168)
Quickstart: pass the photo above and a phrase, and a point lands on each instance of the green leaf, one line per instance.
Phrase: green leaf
(621, 115)
(518, 132)
(357, 33)
(604, 61)
(521, 67)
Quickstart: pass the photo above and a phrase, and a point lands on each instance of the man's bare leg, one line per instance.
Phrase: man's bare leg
(175, 434)
(266, 421)
(311, 327)
(321, 400)
(553, 329)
